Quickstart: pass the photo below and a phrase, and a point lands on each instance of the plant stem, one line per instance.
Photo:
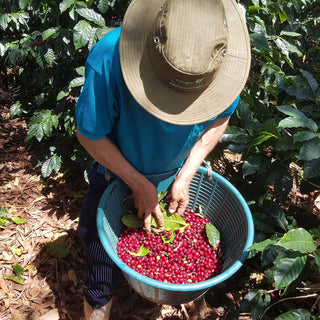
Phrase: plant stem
(309, 289)
(315, 303)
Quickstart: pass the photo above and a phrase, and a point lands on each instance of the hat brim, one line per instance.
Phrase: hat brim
(164, 102)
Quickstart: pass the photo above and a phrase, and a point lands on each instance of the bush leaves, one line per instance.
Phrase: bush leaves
(301, 314)
(298, 240)
(92, 16)
(297, 119)
(42, 124)
(81, 34)
(51, 164)
(288, 269)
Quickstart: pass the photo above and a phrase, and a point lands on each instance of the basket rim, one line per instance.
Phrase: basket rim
(204, 285)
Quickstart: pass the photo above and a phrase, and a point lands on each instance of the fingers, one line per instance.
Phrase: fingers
(157, 212)
(178, 207)
(181, 209)
(178, 198)
(147, 223)
(147, 217)
(173, 206)
(141, 214)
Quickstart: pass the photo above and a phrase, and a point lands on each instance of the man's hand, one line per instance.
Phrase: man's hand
(178, 197)
(146, 202)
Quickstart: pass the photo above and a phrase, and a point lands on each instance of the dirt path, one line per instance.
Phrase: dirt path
(48, 248)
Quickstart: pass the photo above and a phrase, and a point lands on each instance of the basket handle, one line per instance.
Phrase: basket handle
(209, 168)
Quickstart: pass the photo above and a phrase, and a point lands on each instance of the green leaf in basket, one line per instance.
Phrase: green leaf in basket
(213, 235)
(132, 221)
(154, 222)
(18, 220)
(161, 195)
(173, 222)
(162, 200)
(143, 251)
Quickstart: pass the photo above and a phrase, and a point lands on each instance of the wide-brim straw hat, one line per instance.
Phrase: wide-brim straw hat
(184, 61)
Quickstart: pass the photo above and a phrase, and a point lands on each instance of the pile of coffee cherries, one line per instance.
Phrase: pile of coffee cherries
(180, 256)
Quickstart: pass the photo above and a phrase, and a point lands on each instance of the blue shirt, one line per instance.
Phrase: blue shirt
(107, 108)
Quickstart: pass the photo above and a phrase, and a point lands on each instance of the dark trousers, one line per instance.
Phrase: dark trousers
(102, 275)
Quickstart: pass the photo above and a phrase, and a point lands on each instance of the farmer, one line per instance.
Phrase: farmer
(158, 95)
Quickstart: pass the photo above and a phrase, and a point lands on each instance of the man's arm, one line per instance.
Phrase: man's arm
(144, 193)
(179, 195)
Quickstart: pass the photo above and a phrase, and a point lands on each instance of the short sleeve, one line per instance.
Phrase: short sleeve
(97, 106)
(230, 110)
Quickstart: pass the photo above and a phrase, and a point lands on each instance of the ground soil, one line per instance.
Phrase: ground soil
(47, 246)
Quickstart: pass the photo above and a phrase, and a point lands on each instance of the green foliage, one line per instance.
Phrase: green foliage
(43, 48)
(301, 314)
(278, 116)
(276, 129)
(41, 125)
(172, 222)
(51, 164)
(257, 301)
(19, 271)
(289, 256)
(15, 279)
(18, 220)
(5, 218)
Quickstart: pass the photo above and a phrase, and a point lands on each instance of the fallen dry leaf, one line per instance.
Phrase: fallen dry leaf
(72, 277)
(15, 314)
(51, 315)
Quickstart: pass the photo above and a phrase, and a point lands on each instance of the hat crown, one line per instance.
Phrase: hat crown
(188, 41)
(195, 31)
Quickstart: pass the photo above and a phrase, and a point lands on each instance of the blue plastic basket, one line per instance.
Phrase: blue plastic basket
(221, 203)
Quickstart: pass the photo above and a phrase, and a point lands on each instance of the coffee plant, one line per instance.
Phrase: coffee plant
(43, 49)
(276, 131)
